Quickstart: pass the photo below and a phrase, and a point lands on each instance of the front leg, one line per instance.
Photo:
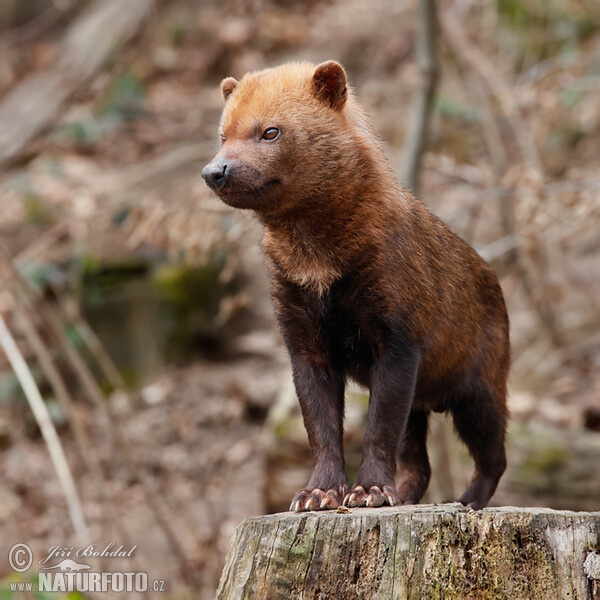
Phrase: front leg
(320, 390)
(393, 378)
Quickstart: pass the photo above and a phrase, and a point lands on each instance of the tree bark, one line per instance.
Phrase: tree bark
(426, 551)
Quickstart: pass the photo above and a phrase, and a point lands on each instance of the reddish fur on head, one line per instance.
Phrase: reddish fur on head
(326, 147)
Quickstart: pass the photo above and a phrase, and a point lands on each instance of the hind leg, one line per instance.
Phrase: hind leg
(413, 462)
(480, 420)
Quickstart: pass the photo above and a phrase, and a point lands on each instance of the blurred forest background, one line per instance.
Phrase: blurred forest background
(139, 302)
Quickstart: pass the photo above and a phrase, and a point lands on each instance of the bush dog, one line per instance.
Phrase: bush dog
(366, 284)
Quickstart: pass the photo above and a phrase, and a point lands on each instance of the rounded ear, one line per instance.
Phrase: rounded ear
(329, 81)
(227, 86)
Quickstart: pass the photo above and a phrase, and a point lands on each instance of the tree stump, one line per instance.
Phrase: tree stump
(425, 551)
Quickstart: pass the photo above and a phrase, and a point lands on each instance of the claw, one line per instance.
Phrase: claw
(375, 497)
(329, 502)
(352, 499)
(316, 499)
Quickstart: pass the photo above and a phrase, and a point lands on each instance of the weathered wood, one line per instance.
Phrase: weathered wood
(91, 40)
(426, 551)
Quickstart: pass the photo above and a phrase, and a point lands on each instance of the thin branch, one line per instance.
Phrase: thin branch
(95, 346)
(427, 61)
(56, 233)
(95, 394)
(93, 391)
(510, 245)
(42, 416)
(487, 72)
(71, 313)
(490, 76)
(498, 192)
(499, 158)
(117, 180)
(65, 401)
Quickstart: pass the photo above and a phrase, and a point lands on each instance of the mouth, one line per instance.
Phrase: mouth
(267, 186)
(250, 197)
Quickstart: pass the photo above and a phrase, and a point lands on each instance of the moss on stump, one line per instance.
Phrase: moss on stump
(426, 551)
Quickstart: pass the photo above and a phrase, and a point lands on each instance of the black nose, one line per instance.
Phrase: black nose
(215, 174)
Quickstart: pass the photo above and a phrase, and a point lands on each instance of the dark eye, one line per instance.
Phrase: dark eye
(222, 138)
(270, 134)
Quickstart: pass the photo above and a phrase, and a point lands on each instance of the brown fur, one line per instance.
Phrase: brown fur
(367, 283)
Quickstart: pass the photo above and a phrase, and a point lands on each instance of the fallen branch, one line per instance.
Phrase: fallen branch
(89, 42)
(95, 395)
(65, 401)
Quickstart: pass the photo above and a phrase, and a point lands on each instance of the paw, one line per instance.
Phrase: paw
(411, 487)
(479, 493)
(408, 499)
(318, 499)
(471, 503)
(375, 496)
(408, 495)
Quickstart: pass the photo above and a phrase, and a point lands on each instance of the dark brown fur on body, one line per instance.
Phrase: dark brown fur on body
(367, 284)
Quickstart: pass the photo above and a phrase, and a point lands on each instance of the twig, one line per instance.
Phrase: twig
(65, 401)
(42, 243)
(543, 68)
(94, 392)
(500, 247)
(42, 416)
(91, 340)
(423, 102)
(510, 245)
(119, 179)
(499, 158)
(499, 192)
(71, 313)
(489, 75)
(493, 79)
